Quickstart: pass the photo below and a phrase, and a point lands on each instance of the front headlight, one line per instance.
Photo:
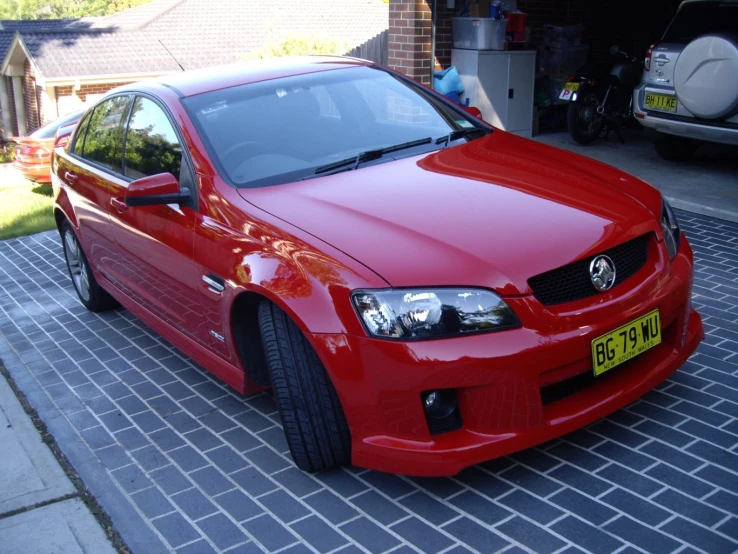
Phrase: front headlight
(411, 314)
(670, 228)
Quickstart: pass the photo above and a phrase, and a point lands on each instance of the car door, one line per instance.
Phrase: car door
(92, 175)
(155, 243)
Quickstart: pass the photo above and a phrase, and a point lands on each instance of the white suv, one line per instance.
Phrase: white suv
(689, 91)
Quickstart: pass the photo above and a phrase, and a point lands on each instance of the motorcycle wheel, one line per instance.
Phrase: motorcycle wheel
(584, 123)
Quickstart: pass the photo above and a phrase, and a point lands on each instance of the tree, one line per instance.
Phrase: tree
(300, 45)
(60, 9)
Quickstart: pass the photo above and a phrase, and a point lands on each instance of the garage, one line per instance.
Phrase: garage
(516, 71)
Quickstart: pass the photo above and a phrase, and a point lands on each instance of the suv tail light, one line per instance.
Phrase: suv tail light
(647, 61)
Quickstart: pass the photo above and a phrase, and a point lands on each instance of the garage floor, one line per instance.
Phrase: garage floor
(182, 463)
(706, 184)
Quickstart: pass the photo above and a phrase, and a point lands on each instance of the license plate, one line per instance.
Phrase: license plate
(626, 342)
(565, 93)
(661, 102)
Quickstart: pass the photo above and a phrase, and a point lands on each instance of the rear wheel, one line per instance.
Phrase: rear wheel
(584, 123)
(90, 293)
(313, 419)
(673, 148)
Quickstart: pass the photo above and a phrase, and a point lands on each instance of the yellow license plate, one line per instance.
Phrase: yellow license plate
(568, 90)
(626, 342)
(661, 102)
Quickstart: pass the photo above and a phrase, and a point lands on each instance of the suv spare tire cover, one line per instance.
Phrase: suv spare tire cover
(706, 76)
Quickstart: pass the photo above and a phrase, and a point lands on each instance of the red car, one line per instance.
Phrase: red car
(421, 291)
(33, 153)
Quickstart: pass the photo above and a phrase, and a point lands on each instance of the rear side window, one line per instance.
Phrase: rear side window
(49, 130)
(152, 145)
(103, 142)
(695, 19)
(79, 140)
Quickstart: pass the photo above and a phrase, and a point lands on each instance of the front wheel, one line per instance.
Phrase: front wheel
(313, 419)
(584, 123)
(90, 293)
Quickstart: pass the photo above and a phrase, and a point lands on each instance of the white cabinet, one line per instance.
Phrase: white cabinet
(500, 84)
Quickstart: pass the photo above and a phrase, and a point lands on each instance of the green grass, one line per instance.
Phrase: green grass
(25, 208)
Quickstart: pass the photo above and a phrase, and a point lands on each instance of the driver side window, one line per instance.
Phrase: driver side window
(151, 145)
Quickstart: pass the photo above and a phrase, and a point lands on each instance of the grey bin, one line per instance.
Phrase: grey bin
(478, 33)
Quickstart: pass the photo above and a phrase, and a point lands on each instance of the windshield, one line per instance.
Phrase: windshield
(695, 19)
(282, 130)
(49, 130)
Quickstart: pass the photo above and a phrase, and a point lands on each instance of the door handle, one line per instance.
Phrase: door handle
(215, 284)
(118, 205)
(70, 178)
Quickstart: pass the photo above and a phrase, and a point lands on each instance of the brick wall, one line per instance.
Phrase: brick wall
(97, 89)
(444, 41)
(32, 99)
(409, 38)
(11, 101)
(66, 92)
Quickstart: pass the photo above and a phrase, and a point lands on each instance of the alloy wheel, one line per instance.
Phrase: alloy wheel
(77, 266)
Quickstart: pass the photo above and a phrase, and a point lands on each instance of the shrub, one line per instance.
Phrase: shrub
(300, 45)
(7, 152)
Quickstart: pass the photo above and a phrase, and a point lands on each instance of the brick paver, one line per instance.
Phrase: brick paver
(182, 463)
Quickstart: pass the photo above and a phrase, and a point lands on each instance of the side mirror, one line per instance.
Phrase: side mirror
(162, 188)
(614, 50)
(472, 110)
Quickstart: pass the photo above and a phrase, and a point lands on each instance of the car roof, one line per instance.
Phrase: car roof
(713, 1)
(198, 81)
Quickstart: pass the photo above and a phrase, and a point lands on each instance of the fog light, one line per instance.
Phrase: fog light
(431, 399)
(439, 404)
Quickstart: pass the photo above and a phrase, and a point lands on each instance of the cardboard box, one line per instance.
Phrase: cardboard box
(479, 8)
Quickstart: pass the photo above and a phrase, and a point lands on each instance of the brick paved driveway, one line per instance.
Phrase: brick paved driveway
(180, 462)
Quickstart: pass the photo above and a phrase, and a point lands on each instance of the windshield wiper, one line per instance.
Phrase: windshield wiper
(354, 161)
(456, 135)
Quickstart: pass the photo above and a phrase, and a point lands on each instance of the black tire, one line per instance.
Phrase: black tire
(312, 416)
(583, 121)
(673, 148)
(90, 293)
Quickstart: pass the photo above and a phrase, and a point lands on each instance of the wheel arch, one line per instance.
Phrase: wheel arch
(63, 211)
(246, 334)
(244, 327)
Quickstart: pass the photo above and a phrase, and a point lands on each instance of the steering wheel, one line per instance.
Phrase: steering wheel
(250, 144)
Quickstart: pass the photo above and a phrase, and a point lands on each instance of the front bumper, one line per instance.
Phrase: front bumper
(694, 129)
(498, 377)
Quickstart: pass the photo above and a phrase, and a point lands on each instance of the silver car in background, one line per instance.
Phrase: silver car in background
(689, 91)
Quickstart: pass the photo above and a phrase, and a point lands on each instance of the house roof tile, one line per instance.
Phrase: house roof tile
(195, 33)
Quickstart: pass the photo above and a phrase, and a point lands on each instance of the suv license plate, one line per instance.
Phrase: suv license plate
(661, 102)
(626, 342)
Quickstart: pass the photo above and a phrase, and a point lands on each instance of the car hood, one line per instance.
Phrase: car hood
(491, 213)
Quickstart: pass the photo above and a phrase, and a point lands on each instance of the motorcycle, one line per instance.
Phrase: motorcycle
(600, 99)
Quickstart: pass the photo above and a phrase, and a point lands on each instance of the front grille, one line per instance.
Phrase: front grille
(573, 282)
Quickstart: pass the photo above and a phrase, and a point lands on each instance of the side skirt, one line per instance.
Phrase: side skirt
(233, 376)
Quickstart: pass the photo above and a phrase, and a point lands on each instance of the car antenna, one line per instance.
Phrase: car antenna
(168, 52)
